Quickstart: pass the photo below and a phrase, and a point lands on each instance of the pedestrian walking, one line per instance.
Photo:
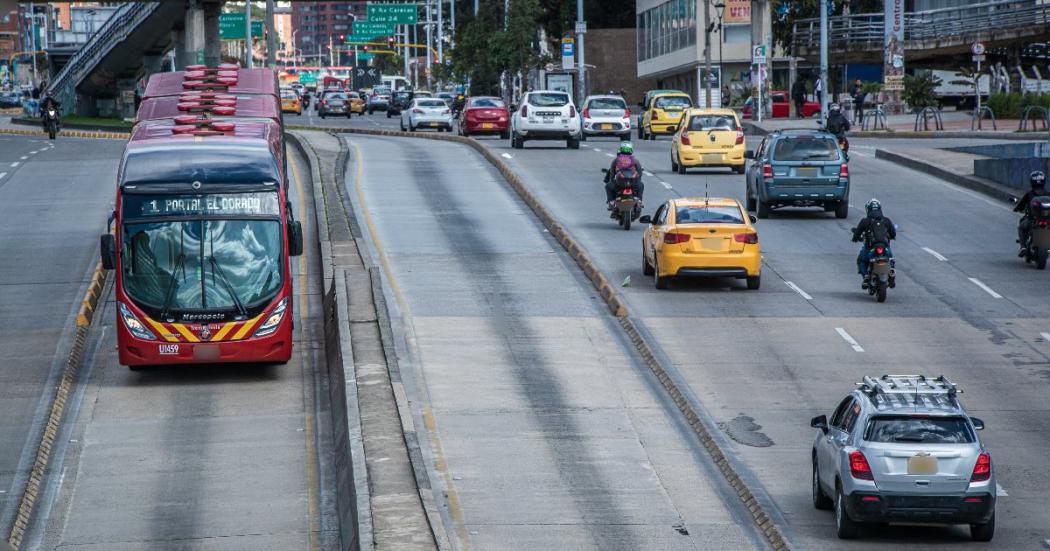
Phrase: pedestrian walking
(818, 90)
(798, 95)
(859, 95)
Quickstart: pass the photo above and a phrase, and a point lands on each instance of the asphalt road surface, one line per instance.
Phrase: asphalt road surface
(764, 362)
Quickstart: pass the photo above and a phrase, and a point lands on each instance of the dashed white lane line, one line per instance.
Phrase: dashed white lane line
(665, 184)
(999, 491)
(798, 290)
(650, 174)
(24, 157)
(935, 254)
(506, 156)
(1046, 336)
(596, 150)
(14, 164)
(849, 339)
(986, 288)
(2, 175)
(610, 155)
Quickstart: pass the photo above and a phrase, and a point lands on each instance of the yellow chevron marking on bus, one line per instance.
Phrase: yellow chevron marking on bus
(244, 329)
(222, 332)
(162, 331)
(185, 332)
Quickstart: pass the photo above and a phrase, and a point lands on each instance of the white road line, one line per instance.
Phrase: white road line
(650, 174)
(799, 290)
(665, 184)
(986, 288)
(2, 174)
(24, 157)
(935, 254)
(610, 155)
(596, 150)
(507, 156)
(1046, 336)
(999, 491)
(846, 337)
(1047, 542)
(14, 164)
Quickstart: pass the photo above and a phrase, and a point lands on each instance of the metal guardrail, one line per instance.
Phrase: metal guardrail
(941, 24)
(117, 28)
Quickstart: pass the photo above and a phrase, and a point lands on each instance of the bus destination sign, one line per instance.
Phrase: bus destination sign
(216, 204)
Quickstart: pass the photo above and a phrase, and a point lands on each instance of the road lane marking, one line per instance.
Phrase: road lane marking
(665, 184)
(610, 155)
(935, 254)
(650, 174)
(2, 174)
(849, 339)
(506, 156)
(999, 491)
(1046, 336)
(986, 288)
(596, 150)
(799, 290)
(24, 157)
(14, 164)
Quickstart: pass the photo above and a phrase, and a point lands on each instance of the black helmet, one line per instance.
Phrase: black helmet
(1037, 179)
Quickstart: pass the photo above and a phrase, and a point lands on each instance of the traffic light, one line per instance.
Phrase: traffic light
(390, 41)
(342, 38)
(366, 47)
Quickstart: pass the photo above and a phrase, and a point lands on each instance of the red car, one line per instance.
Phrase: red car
(782, 107)
(484, 115)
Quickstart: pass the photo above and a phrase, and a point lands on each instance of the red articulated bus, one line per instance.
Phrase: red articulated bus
(202, 240)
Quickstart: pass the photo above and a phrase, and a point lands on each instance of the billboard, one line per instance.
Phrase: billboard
(738, 12)
(893, 51)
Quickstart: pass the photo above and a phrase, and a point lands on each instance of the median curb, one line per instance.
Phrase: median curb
(46, 444)
(755, 501)
(69, 133)
(967, 181)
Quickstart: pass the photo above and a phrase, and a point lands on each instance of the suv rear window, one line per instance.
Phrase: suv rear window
(806, 149)
(673, 102)
(917, 428)
(607, 103)
(548, 100)
(712, 122)
(708, 215)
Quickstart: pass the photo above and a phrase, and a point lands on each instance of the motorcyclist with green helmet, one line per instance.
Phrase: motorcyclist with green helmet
(624, 166)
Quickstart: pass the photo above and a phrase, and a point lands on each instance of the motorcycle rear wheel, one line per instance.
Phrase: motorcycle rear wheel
(880, 291)
(1040, 259)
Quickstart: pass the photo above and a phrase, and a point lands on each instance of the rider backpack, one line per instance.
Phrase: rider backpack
(878, 233)
(623, 162)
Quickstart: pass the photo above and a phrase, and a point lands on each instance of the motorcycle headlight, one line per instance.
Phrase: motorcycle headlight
(136, 327)
(270, 325)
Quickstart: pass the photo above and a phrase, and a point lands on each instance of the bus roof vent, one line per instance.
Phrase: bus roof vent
(201, 126)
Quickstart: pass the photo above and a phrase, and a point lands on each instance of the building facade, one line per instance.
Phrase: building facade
(671, 39)
(320, 28)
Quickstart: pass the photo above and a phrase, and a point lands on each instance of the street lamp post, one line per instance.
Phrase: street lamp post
(721, 7)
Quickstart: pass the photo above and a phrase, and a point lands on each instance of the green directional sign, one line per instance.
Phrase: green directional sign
(400, 14)
(363, 38)
(361, 56)
(368, 28)
(231, 27)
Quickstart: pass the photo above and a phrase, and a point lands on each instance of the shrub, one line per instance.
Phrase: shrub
(919, 91)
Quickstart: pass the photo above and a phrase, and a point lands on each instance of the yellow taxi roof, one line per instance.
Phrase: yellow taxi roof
(699, 201)
(711, 111)
(661, 94)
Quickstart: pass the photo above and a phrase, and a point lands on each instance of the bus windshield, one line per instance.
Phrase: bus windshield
(178, 255)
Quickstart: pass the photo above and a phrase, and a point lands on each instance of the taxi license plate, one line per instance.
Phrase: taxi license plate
(487, 125)
(712, 243)
(606, 126)
(807, 171)
(712, 157)
(922, 464)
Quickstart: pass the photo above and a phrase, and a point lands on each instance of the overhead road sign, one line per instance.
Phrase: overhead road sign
(399, 14)
(362, 28)
(231, 27)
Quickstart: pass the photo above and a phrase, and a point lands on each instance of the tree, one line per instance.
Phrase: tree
(471, 56)
(787, 12)
(514, 48)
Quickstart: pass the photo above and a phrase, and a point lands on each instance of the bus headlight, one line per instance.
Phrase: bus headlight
(272, 322)
(134, 325)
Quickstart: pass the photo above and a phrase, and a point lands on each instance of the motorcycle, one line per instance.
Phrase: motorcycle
(1037, 246)
(626, 207)
(881, 275)
(844, 146)
(51, 123)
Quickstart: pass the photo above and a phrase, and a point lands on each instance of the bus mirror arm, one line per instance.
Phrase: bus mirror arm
(108, 251)
(295, 238)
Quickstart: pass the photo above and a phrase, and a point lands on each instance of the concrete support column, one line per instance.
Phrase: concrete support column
(212, 44)
(194, 34)
(125, 100)
(178, 45)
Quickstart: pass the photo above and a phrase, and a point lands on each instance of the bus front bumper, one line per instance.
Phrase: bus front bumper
(274, 348)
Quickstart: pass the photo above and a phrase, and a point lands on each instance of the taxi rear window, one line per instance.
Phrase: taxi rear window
(673, 102)
(708, 215)
(712, 122)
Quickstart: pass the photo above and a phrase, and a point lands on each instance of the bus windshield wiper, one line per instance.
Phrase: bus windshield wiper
(217, 269)
(169, 295)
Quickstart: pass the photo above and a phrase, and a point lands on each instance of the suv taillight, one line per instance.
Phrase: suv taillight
(982, 470)
(524, 110)
(767, 171)
(844, 171)
(858, 466)
(572, 111)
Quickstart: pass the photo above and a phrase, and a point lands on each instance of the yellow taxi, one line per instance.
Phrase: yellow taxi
(357, 103)
(701, 237)
(662, 112)
(290, 102)
(708, 138)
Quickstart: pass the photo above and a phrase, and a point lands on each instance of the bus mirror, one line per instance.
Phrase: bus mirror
(108, 250)
(295, 238)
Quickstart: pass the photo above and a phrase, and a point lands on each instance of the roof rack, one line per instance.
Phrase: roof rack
(912, 385)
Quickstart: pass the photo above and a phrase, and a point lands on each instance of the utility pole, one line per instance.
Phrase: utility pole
(248, 34)
(452, 16)
(581, 73)
(271, 36)
(475, 8)
(430, 44)
(707, 54)
(441, 32)
(824, 88)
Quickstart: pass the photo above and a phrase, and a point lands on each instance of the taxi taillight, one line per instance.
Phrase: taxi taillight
(739, 137)
(746, 238)
(685, 138)
(675, 238)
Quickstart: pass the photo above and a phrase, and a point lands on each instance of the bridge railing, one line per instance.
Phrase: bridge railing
(117, 28)
(858, 29)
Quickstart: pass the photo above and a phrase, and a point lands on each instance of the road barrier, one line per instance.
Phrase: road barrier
(754, 499)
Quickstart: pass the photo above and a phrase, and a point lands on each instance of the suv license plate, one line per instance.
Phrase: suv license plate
(807, 171)
(548, 120)
(922, 464)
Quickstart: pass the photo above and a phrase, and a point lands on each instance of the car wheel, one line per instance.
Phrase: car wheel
(681, 168)
(674, 165)
(350, 115)
(845, 527)
(573, 143)
(641, 135)
(504, 135)
(410, 127)
(583, 137)
(738, 169)
(754, 282)
(821, 500)
(402, 125)
(762, 209)
(842, 209)
(661, 282)
(752, 204)
(322, 115)
(388, 115)
(646, 268)
(983, 532)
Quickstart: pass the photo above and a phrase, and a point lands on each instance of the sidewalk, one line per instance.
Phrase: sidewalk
(950, 166)
(956, 125)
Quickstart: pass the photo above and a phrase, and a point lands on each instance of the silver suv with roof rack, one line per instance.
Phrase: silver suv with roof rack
(901, 448)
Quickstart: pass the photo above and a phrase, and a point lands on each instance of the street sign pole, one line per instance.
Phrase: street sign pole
(825, 88)
(978, 55)
(248, 34)
(582, 71)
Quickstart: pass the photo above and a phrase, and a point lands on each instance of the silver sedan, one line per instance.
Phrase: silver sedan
(427, 113)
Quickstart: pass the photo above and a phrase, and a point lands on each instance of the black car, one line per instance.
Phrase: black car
(399, 101)
(334, 103)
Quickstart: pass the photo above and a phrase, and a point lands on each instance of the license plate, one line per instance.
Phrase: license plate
(712, 157)
(434, 124)
(807, 171)
(922, 464)
(168, 349)
(548, 119)
(487, 125)
(606, 126)
(205, 351)
(712, 243)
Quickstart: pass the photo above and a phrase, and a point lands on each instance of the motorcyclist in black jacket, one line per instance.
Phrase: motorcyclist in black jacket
(49, 102)
(837, 123)
(624, 160)
(1038, 181)
(874, 228)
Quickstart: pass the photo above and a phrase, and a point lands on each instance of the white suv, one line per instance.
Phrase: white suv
(545, 115)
